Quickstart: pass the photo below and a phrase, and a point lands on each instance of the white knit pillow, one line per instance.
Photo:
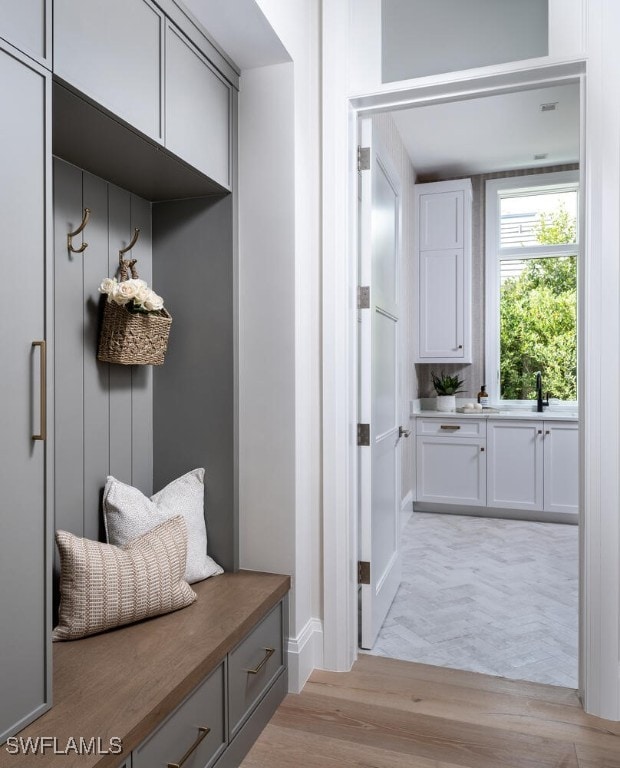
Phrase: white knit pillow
(103, 586)
(128, 513)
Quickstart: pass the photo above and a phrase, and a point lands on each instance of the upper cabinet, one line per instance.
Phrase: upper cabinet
(148, 65)
(441, 219)
(443, 271)
(197, 129)
(113, 54)
(26, 24)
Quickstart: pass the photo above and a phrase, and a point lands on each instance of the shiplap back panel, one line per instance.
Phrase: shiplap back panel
(103, 412)
(195, 391)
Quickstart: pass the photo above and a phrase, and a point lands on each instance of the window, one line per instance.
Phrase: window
(531, 280)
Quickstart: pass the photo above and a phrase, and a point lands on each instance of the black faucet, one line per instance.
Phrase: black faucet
(539, 396)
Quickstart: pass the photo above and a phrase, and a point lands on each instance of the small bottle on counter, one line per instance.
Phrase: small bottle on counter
(483, 397)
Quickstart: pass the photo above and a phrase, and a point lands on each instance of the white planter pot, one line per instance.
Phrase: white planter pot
(446, 403)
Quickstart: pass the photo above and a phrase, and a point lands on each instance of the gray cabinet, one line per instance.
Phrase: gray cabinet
(25, 160)
(198, 107)
(111, 50)
(26, 24)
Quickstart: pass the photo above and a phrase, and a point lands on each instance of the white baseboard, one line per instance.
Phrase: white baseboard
(406, 509)
(305, 652)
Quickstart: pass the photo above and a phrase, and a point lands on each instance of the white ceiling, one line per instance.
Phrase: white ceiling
(241, 30)
(494, 133)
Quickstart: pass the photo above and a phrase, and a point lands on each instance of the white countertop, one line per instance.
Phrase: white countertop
(553, 415)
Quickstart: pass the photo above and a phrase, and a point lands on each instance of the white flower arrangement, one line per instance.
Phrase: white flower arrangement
(134, 294)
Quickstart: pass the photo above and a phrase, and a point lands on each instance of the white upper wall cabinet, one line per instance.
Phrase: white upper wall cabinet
(113, 54)
(26, 24)
(422, 38)
(442, 272)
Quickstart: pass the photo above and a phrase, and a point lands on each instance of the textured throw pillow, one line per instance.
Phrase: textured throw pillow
(103, 586)
(129, 513)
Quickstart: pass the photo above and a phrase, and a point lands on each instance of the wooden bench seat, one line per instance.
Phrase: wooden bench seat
(126, 682)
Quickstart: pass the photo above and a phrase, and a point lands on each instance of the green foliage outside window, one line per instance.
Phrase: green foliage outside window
(538, 319)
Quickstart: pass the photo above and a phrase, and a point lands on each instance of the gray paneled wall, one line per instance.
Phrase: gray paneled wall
(103, 412)
(195, 391)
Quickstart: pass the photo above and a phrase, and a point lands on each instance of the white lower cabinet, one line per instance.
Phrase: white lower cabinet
(503, 463)
(451, 463)
(515, 468)
(561, 466)
(533, 465)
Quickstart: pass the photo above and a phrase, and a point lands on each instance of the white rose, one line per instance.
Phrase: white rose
(153, 302)
(108, 285)
(125, 291)
(142, 294)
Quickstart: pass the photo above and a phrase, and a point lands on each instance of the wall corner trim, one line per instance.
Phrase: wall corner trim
(305, 652)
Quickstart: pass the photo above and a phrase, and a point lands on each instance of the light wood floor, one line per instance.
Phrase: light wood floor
(393, 714)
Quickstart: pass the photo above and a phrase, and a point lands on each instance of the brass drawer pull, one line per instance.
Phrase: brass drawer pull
(202, 733)
(42, 390)
(450, 427)
(268, 654)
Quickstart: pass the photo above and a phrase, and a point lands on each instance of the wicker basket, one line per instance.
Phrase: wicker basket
(133, 339)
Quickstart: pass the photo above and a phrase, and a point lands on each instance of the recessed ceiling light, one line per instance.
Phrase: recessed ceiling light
(549, 107)
(542, 156)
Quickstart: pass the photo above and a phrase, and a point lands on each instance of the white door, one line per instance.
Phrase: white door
(561, 466)
(380, 213)
(515, 467)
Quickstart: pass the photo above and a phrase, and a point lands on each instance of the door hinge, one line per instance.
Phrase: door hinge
(363, 158)
(363, 297)
(363, 434)
(363, 572)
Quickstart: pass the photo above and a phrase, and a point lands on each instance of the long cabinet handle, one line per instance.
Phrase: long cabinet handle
(268, 654)
(43, 391)
(203, 731)
(450, 427)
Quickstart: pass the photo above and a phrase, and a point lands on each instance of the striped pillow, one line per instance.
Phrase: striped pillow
(103, 586)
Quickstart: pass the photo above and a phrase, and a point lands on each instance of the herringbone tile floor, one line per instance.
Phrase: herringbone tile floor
(485, 595)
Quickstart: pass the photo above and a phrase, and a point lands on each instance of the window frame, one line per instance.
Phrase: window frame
(495, 189)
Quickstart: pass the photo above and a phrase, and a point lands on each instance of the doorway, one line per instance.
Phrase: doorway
(511, 148)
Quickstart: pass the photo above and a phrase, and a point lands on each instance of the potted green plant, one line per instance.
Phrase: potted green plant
(446, 388)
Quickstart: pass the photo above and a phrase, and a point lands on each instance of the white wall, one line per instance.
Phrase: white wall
(599, 331)
(279, 165)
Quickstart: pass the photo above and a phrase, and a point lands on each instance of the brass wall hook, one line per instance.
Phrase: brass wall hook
(71, 235)
(134, 240)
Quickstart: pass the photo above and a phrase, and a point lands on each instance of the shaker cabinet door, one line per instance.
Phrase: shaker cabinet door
(561, 467)
(451, 471)
(24, 554)
(198, 105)
(515, 471)
(111, 50)
(24, 24)
(441, 329)
(441, 220)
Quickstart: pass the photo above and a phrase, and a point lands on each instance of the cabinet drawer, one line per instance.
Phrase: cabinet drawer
(204, 708)
(452, 427)
(252, 667)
